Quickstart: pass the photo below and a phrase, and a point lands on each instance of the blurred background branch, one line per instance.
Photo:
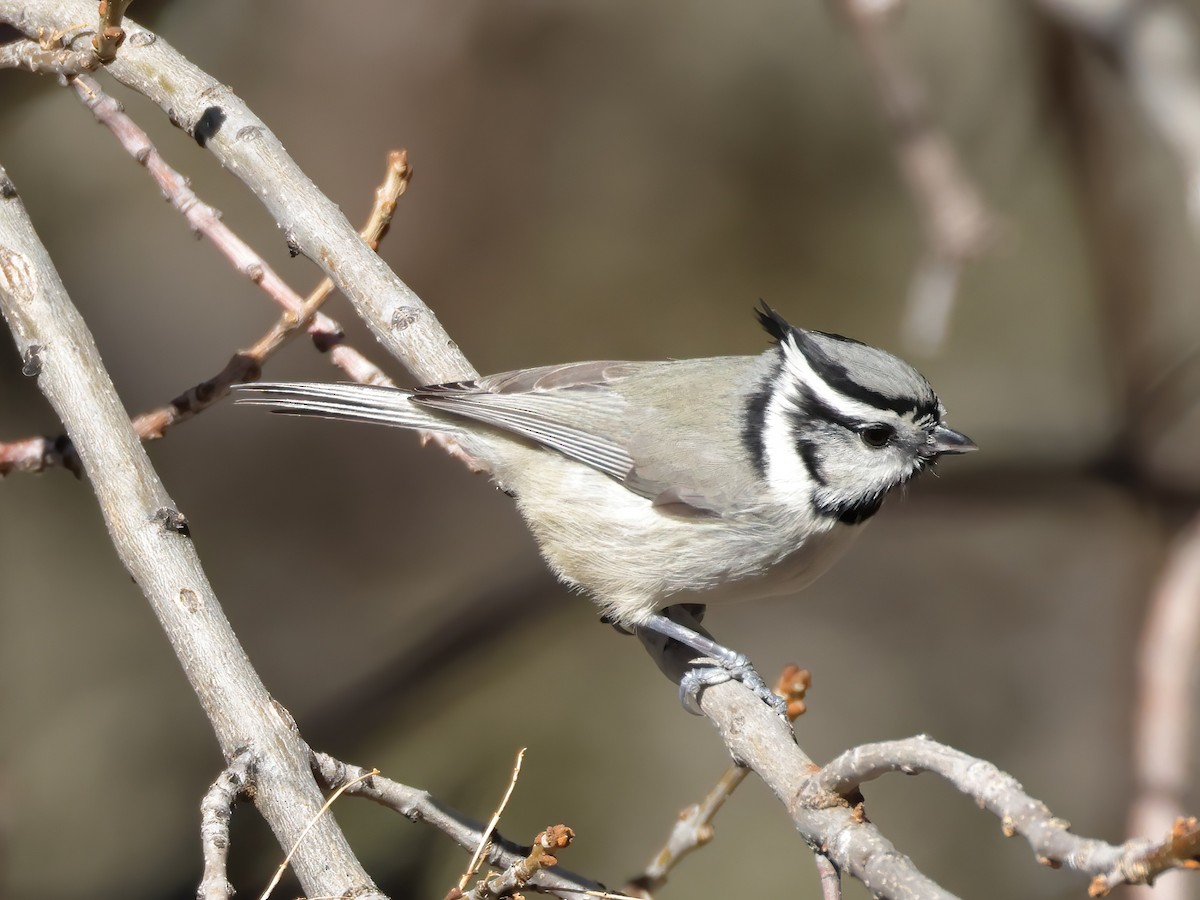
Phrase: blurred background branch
(1163, 750)
(957, 225)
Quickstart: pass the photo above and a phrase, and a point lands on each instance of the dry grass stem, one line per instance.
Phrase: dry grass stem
(476, 858)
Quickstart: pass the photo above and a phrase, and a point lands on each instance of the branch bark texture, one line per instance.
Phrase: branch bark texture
(153, 541)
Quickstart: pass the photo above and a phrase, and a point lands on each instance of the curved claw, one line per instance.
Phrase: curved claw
(706, 674)
(709, 672)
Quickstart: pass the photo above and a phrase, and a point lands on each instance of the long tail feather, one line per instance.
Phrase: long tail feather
(349, 402)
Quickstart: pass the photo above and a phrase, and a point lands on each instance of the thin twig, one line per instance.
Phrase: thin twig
(831, 878)
(216, 809)
(477, 856)
(418, 806)
(38, 454)
(287, 858)
(327, 334)
(205, 220)
(542, 855)
(109, 35)
(394, 185)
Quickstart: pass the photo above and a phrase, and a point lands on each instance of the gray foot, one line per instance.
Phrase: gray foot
(714, 671)
(716, 665)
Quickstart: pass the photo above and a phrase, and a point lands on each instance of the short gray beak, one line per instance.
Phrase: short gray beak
(947, 440)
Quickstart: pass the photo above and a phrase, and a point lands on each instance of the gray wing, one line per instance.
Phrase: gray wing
(571, 408)
(667, 431)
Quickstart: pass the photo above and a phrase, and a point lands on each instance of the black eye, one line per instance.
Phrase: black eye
(878, 435)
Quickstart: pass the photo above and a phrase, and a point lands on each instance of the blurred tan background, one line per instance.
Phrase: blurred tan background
(611, 180)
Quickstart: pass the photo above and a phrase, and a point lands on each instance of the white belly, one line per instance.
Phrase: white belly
(792, 574)
(634, 559)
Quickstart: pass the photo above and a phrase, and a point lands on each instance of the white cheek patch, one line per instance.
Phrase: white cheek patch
(788, 478)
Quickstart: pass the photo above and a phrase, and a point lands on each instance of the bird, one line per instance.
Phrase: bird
(655, 487)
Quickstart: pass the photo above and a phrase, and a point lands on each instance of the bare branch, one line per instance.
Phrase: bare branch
(692, 830)
(758, 739)
(47, 59)
(291, 851)
(216, 809)
(51, 53)
(418, 806)
(1178, 850)
(693, 827)
(143, 523)
(1137, 861)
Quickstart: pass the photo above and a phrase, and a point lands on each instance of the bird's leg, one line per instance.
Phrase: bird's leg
(716, 664)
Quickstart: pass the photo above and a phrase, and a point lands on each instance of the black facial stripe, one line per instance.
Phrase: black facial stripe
(800, 420)
(813, 407)
(754, 422)
(811, 459)
(837, 377)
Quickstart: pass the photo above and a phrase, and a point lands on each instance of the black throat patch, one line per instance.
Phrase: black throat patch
(849, 512)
